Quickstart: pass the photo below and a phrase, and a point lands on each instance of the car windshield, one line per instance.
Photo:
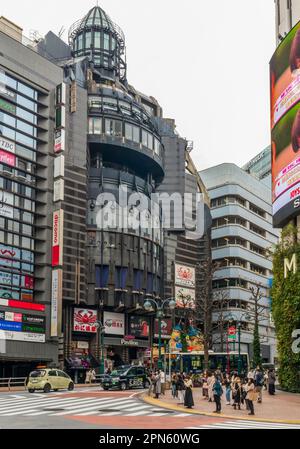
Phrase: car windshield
(38, 373)
(118, 372)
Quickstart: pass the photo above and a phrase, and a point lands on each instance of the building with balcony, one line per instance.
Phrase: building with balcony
(242, 236)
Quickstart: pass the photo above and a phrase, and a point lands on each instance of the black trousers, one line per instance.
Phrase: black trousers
(251, 406)
(218, 402)
(271, 389)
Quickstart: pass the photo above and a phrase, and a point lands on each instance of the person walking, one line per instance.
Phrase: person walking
(217, 392)
(227, 385)
(157, 384)
(266, 380)
(250, 374)
(271, 382)
(180, 388)
(251, 395)
(88, 376)
(210, 384)
(258, 382)
(174, 386)
(188, 397)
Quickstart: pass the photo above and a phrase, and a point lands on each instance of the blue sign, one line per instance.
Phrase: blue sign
(10, 326)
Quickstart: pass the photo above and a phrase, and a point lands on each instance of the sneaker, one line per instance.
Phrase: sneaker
(227, 403)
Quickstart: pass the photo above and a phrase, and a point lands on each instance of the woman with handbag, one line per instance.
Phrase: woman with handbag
(236, 392)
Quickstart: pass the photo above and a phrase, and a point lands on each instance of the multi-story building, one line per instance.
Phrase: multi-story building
(106, 157)
(27, 87)
(287, 15)
(242, 234)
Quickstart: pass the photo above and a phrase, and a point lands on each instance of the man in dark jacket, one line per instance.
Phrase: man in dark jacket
(218, 391)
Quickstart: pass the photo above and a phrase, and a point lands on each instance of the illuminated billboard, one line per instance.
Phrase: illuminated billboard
(285, 128)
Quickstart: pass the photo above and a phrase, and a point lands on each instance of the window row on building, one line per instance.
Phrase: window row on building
(235, 199)
(117, 128)
(237, 241)
(236, 220)
(241, 263)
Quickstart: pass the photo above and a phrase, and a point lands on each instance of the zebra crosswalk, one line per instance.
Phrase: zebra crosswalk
(243, 424)
(48, 405)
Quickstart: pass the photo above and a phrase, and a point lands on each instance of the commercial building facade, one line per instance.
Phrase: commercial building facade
(242, 234)
(100, 250)
(287, 15)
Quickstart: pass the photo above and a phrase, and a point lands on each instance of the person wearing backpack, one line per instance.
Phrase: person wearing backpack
(217, 391)
(258, 382)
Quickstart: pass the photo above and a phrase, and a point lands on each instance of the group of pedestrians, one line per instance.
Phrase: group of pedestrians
(239, 391)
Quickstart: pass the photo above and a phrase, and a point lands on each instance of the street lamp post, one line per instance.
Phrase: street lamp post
(101, 329)
(239, 343)
(159, 314)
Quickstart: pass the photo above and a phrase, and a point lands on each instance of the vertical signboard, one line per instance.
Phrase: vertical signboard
(56, 303)
(57, 241)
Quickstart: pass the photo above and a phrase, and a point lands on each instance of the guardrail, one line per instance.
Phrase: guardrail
(9, 382)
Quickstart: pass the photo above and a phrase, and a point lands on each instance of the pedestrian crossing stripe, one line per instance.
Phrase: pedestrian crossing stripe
(243, 424)
(54, 405)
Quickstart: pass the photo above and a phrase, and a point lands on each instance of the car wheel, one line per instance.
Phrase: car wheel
(105, 388)
(123, 386)
(56, 389)
(146, 384)
(47, 388)
(31, 390)
(71, 386)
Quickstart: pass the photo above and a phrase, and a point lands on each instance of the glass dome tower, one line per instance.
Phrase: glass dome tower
(97, 36)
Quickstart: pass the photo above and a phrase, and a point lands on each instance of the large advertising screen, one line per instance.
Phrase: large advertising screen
(285, 128)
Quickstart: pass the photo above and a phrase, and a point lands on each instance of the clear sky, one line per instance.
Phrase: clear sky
(205, 61)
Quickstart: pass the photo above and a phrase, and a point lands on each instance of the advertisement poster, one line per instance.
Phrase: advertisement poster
(85, 320)
(114, 323)
(7, 158)
(59, 141)
(286, 166)
(185, 298)
(166, 328)
(139, 326)
(10, 256)
(7, 145)
(185, 276)
(56, 302)
(285, 76)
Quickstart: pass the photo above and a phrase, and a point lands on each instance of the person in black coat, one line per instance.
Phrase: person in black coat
(188, 397)
(180, 388)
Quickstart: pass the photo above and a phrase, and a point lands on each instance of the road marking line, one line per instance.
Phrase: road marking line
(41, 403)
(108, 402)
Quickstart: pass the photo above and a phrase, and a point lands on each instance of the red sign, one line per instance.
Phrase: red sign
(129, 337)
(7, 158)
(22, 305)
(57, 240)
(85, 320)
(29, 281)
(231, 330)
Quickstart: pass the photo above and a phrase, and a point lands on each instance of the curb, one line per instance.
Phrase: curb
(166, 405)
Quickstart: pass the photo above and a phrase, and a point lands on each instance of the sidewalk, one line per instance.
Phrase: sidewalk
(283, 407)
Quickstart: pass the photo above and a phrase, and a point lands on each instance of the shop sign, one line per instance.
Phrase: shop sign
(7, 145)
(129, 342)
(185, 276)
(166, 328)
(85, 320)
(7, 158)
(58, 190)
(185, 298)
(22, 336)
(83, 345)
(20, 304)
(59, 141)
(34, 319)
(114, 323)
(139, 326)
(10, 255)
(56, 302)
(57, 241)
(59, 166)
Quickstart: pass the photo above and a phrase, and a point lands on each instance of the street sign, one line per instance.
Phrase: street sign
(231, 333)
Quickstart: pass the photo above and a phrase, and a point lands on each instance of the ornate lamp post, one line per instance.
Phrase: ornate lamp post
(171, 303)
(239, 325)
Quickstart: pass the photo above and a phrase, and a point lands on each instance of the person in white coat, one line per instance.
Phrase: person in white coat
(210, 385)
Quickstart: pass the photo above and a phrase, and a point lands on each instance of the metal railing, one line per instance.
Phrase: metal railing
(9, 382)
